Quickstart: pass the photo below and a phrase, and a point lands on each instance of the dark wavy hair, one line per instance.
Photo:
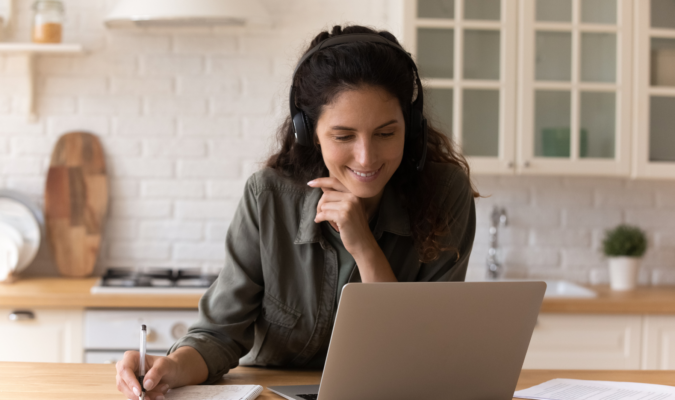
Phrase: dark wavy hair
(351, 66)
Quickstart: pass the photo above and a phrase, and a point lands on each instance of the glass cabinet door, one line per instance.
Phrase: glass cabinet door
(655, 99)
(575, 87)
(466, 54)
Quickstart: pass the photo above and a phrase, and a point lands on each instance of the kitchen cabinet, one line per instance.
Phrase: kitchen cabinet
(574, 87)
(585, 342)
(659, 342)
(554, 87)
(466, 59)
(41, 335)
(654, 141)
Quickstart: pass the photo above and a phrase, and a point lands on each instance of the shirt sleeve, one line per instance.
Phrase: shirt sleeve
(451, 265)
(224, 331)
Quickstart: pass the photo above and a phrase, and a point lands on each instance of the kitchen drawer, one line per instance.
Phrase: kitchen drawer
(119, 329)
(40, 335)
(585, 342)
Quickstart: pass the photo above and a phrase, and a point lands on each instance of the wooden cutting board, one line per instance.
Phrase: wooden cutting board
(76, 202)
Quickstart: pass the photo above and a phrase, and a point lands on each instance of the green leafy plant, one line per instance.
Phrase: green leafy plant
(625, 240)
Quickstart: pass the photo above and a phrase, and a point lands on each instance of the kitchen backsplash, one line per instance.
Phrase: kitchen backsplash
(556, 225)
(186, 115)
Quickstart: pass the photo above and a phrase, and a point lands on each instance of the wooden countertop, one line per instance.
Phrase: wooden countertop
(75, 293)
(45, 381)
(643, 300)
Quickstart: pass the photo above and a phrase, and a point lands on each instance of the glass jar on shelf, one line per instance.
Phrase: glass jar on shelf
(47, 21)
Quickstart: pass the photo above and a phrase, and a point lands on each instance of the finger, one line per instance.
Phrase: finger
(330, 216)
(158, 393)
(126, 370)
(129, 379)
(332, 196)
(336, 206)
(327, 184)
(154, 376)
(122, 387)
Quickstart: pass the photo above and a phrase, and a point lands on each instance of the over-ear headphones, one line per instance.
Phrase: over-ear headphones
(416, 131)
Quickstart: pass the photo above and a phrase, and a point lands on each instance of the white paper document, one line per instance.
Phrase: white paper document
(215, 392)
(575, 389)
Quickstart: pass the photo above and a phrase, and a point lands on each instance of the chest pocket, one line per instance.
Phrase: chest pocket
(278, 321)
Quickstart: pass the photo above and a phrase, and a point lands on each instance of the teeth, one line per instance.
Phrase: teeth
(364, 175)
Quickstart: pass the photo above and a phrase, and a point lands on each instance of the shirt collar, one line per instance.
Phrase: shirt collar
(392, 217)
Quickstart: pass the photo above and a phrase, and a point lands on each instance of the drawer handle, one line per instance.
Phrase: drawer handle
(21, 315)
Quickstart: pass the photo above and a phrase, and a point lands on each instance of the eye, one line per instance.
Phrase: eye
(342, 138)
(386, 134)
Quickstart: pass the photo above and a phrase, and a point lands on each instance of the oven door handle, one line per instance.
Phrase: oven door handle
(21, 315)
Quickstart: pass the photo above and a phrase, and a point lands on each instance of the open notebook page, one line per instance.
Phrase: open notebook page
(575, 389)
(215, 392)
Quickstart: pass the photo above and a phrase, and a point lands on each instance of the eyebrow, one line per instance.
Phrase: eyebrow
(345, 128)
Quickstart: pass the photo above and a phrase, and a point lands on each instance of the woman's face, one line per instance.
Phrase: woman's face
(361, 134)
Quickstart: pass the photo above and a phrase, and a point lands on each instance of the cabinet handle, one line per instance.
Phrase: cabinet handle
(511, 164)
(526, 164)
(21, 315)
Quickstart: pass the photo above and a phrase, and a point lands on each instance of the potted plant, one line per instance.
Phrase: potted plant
(624, 246)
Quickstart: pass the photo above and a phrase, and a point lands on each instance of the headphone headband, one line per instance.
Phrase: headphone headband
(354, 38)
(416, 121)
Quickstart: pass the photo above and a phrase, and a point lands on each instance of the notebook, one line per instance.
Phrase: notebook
(576, 389)
(215, 392)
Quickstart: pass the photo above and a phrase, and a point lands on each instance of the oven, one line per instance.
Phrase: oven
(108, 333)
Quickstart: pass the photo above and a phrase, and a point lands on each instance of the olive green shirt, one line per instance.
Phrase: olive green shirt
(274, 301)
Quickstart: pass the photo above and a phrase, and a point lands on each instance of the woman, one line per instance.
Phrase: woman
(372, 211)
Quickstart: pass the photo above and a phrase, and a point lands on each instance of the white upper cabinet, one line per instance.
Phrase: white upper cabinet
(465, 54)
(538, 86)
(574, 87)
(654, 127)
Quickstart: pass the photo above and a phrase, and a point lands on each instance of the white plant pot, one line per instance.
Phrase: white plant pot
(623, 272)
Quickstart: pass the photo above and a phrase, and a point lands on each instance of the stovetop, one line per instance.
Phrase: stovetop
(154, 280)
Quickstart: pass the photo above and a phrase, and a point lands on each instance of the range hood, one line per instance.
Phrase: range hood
(174, 13)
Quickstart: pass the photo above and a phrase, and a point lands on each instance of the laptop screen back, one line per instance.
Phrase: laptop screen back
(449, 340)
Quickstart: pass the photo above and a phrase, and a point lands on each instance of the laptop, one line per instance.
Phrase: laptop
(438, 340)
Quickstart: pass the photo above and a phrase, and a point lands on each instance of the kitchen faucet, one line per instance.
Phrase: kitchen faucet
(494, 267)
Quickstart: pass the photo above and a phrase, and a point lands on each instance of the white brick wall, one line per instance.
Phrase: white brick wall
(186, 115)
(556, 226)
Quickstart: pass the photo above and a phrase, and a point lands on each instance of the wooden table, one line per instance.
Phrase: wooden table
(44, 381)
(75, 293)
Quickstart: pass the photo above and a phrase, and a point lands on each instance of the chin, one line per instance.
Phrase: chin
(365, 190)
(366, 193)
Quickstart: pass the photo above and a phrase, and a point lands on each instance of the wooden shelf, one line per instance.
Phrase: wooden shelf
(41, 48)
(24, 55)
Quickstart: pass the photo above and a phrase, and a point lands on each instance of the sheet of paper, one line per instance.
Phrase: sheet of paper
(215, 392)
(574, 389)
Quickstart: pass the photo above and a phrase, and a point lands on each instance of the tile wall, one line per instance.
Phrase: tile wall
(186, 115)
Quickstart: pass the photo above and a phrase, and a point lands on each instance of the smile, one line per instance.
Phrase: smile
(365, 174)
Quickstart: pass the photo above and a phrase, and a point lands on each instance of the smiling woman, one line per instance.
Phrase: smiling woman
(360, 190)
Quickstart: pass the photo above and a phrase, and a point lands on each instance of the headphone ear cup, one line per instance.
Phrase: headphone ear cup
(302, 129)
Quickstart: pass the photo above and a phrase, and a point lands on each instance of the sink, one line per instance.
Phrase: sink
(556, 288)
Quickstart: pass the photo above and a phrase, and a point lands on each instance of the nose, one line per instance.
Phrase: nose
(364, 152)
